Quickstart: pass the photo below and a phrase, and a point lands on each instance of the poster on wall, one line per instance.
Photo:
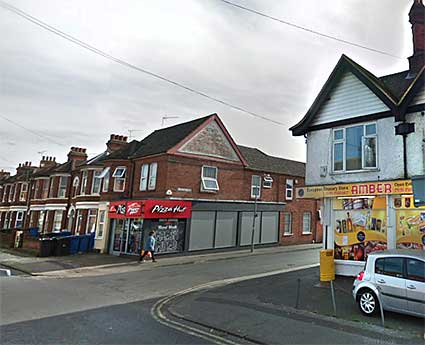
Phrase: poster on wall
(410, 229)
(360, 227)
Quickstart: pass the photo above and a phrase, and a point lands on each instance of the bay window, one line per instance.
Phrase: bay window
(91, 220)
(24, 192)
(84, 183)
(355, 148)
(63, 184)
(95, 188)
(105, 176)
(101, 224)
(57, 221)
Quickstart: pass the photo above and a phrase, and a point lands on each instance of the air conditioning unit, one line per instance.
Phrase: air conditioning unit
(323, 170)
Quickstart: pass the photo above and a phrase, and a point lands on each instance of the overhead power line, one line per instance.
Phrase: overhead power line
(127, 64)
(31, 131)
(309, 30)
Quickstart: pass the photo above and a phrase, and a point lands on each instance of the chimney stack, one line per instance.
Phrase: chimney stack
(116, 142)
(47, 161)
(4, 174)
(77, 154)
(417, 19)
(24, 167)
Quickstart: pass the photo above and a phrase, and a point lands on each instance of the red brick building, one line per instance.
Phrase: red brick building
(190, 182)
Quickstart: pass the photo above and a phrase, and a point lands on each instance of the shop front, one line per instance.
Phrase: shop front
(365, 217)
(131, 222)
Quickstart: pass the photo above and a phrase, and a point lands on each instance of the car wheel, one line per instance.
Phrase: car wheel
(368, 303)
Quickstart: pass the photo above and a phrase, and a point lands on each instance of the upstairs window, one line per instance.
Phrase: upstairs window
(97, 181)
(152, 176)
(289, 189)
(105, 176)
(45, 191)
(144, 177)
(355, 148)
(51, 189)
(255, 186)
(84, 183)
(267, 181)
(11, 192)
(76, 184)
(119, 179)
(209, 179)
(63, 184)
(24, 192)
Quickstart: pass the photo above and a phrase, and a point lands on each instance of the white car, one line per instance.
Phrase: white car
(395, 278)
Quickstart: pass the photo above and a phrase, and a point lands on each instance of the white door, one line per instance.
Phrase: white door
(415, 286)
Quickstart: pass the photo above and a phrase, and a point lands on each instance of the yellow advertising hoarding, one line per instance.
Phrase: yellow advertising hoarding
(355, 189)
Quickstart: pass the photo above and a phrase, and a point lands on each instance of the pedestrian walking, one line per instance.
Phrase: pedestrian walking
(149, 247)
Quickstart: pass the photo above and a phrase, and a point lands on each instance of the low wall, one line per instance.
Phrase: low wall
(7, 240)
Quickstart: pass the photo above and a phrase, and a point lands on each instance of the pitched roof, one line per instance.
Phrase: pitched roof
(162, 140)
(397, 83)
(46, 171)
(258, 160)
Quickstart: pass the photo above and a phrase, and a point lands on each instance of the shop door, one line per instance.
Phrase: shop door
(120, 236)
(134, 237)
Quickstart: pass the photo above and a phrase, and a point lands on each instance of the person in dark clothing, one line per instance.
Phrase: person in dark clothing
(149, 247)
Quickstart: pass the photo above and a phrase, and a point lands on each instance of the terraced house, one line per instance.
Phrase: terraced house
(190, 182)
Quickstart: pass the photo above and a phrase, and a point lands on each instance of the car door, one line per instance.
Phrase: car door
(390, 282)
(415, 286)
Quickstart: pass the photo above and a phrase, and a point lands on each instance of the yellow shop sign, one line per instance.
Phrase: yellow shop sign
(355, 189)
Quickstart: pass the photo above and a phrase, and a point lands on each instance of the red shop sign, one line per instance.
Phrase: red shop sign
(134, 209)
(117, 209)
(167, 209)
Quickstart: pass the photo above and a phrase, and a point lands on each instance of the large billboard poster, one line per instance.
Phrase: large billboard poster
(360, 227)
(410, 229)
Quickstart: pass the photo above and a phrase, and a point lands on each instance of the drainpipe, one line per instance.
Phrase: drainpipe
(131, 180)
(405, 156)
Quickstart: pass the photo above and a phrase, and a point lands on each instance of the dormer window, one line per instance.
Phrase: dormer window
(355, 148)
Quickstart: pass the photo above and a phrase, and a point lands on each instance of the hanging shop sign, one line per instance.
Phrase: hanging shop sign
(151, 209)
(355, 189)
(167, 209)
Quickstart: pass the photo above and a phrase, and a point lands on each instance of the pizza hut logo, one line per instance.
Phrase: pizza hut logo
(120, 209)
(168, 209)
(133, 208)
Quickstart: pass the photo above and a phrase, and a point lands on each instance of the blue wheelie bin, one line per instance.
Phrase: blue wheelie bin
(91, 245)
(74, 244)
(84, 243)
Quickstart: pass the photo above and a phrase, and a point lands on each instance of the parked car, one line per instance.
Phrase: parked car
(395, 278)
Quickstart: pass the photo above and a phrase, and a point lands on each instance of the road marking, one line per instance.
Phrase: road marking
(158, 311)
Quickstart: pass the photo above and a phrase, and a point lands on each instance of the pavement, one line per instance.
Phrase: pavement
(79, 263)
(266, 310)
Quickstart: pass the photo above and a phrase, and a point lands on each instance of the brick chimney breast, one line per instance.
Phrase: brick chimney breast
(47, 161)
(116, 142)
(77, 154)
(417, 19)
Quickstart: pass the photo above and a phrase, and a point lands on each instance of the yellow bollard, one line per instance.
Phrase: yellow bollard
(327, 267)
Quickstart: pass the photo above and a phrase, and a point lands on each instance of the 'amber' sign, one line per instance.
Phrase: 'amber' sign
(355, 189)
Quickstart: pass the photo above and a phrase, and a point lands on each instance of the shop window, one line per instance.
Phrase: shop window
(306, 223)
(101, 224)
(84, 183)
(57, 221)
(355, 148)
(152, 176)
(119, 179)
(209, 179)
(289, 189)
(19, 219)
(91, 220)
(267, 181)
(24, 192)
(63, 184)
(255, 186)
(287, 225)
(95, 189)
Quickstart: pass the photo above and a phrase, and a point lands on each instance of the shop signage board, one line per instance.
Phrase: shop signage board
(151, 209)
(355, 189)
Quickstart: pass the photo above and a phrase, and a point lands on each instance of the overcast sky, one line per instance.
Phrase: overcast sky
(77, 98)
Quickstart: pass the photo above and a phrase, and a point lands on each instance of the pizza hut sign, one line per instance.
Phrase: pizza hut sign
(167, 209)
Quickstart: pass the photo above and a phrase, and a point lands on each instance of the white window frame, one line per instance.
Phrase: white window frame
(289, 189)
(104, 175)
(15, 194)
(51, 190)
(5, 195)
(153, 170)
(119, 175)
(45, 191)
(23, 193)
(101, 224)
(309, 223)
(96, 182)
(79, 221)
(84, 182)
(62, 186)
(7, 219)
(40, 220)
(267, 181)
(204, 179)
(19, 218)
(144, 172)
(255, 183)
(11, 192)
(287, 232)
(57, 221)
(363, 141)
(88, 231)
